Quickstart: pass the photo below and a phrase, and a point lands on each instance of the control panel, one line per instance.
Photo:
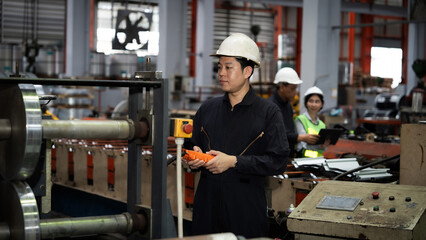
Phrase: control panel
(361, 210)
(181, 127)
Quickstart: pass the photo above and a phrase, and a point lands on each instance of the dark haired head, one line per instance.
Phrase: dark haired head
(244, 62)
(310, 95)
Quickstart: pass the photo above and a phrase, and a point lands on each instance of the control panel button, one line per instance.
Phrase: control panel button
(187, 128)
(375, 195)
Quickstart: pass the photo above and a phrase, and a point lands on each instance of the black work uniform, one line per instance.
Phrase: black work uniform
(287, 115)
(234, 201)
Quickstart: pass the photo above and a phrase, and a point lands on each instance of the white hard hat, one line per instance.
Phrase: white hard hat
(239, 45)
(313, 90)
(287, 75)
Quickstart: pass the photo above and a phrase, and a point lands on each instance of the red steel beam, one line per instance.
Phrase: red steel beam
(278, 28)
(193, 55)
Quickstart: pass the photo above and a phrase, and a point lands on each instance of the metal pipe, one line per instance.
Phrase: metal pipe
(81, 82)
(69, 227)
(5, 129)
(179, 142)
(4, 231)
(82, 129)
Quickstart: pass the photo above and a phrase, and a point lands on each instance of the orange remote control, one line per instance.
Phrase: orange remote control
(192, 155)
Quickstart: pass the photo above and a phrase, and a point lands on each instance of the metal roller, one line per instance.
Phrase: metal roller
(19, 218)
(19, 146)
(18, 211)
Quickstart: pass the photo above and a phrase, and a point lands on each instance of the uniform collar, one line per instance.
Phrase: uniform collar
(310, 119)
(279, 99)
(247, 100)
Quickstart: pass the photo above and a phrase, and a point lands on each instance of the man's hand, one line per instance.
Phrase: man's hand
(309, 138)
(220, 163)
(196, 163)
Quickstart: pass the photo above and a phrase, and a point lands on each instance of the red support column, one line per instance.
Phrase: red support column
(366, 44)
(193, 54)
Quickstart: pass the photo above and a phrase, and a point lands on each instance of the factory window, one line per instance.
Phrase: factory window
(127, 27)
(387, 63)
(22, 21)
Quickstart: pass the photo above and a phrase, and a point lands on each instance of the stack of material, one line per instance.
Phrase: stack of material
(72, 103)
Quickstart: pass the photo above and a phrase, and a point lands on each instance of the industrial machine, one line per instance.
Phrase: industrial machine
(354, 210)
(25, 160)
(385, 105)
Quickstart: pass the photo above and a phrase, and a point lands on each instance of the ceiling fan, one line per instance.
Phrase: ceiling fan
(131, 30)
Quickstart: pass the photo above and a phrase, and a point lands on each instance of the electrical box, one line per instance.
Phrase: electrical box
(413, 157)
(181, 127)
(359, 210)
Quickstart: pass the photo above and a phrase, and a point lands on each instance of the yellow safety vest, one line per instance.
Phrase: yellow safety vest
(311, 128)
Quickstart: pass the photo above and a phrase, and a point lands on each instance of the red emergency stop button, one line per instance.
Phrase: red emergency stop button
(187, 128)
(375, 195)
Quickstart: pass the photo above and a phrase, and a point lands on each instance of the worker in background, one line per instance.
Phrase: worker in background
(309, 122)
(287, 82)
(243, 131)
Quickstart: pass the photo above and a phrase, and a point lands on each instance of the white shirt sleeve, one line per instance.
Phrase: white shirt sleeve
(300, 130)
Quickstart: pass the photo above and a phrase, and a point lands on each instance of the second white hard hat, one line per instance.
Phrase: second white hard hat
(313, 90)
(287, 75)
(239, 45)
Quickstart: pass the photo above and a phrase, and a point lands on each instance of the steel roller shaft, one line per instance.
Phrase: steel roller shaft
(71, 227)
(84, 129)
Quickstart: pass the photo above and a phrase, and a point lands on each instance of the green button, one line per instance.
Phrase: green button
(376, 208)
(392, 209)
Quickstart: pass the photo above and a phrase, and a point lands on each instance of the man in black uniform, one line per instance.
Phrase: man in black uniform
(287, 82)
(243, 131)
